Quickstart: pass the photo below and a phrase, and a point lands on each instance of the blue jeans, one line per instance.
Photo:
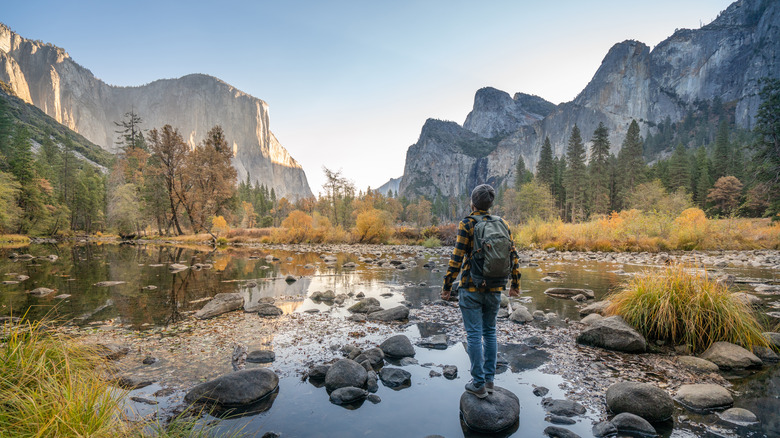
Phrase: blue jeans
(480, 310)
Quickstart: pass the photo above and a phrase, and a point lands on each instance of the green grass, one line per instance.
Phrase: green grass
(51, 387)
(186, 425)
(683, 306)
(431, 242)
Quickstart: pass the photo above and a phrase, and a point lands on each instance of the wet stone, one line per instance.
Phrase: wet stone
(41, 291)
(398, 346)
(363, 305)
(729, 356)
(398, 313)
(222, 303)
(149, 360)
(558, 419)
(738, 416)
(613, 333)
(132, 382)
(632, 424)
(436, 342)
(450, 372)
(604, 428)
(348, 394)
(408, 361)
(644, 399)
(345, 373)
(234, 389)
(704, 397)
(540, 391)
(559, 432)
(269, 311)
(395, 377)
(318, 372)
(496, 412)
(697, 364)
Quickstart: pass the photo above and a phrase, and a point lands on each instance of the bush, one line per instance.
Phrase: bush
(685, 307)
(372, 226)
(432, 242)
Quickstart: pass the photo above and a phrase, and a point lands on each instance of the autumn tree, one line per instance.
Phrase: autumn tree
(339, 192)
(298, 226)
(419, 212)
(170, 151)
(725, 194)
(9, 211)
(372, 226)
(532, 200)
(599, 171)
(575, 177)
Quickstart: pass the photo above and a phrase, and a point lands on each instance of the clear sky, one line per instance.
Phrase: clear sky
(350, 83)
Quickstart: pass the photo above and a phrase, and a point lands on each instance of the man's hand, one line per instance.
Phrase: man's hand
(514, 292)
(445, 294)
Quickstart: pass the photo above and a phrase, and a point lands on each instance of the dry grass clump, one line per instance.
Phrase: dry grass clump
(51, 387)
(684, 306)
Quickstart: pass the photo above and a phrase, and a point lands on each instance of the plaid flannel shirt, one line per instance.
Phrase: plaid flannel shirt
(460, 258)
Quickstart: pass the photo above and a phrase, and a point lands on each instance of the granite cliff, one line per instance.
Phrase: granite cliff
(45, 76)
(724, 59)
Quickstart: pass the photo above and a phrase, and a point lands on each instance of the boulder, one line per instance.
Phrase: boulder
(362, 305)
(738, 416)
(604, 428)
(521, 315)
(704, 397)
(597, 307)
(397, 346)
(398, 313)
(345, 373)
(235, 389)
(318, 372)
(372, 381)
(261, 356)
(565, 408)
(633, 425)
(644, 399)
(395, 377)
(568, 292)
(697, 364)
(222, 303)
(729, 356)
(348, 394)
(496, 412)
(613, 333)
(765, 354)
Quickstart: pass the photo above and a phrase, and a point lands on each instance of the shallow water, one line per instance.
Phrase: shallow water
(429, 406)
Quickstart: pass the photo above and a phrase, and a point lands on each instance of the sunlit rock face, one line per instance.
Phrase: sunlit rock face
(46, 76)
(724, 59)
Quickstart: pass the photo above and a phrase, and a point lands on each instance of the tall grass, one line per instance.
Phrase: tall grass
(633, 230)
(51, 387)
(13, 241)
(683, 306)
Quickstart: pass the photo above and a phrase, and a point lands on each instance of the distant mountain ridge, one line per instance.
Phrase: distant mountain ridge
(45, 76)
(724, 59)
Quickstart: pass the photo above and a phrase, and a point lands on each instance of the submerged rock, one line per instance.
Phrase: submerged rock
(496, 412)
(108, 283)
(566, 408)
(729, 356)
(41, 291)
(450, 372)
(738, 416)
(222, 303)
(261, 356)
(235, 389)
(613, 333)
(568, 293)
(644, 399)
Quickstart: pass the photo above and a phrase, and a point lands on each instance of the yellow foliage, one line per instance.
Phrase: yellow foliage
(219, 225)
(690, 229)
(372, 226)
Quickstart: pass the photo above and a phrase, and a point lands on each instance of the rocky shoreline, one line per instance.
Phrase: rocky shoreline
(187, 353)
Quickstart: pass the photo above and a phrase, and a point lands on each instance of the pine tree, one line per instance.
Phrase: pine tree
(575, 178)
(599, 172)
(130, 135)
(767, 146)
(722, 153)
(545, 170)
(679, 169)
(522, 175)
(631, 162)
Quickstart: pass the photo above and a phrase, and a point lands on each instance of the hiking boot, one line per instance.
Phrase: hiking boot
(489, 387)
(479, 391)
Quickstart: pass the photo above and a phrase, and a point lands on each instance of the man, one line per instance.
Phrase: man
(479, 303)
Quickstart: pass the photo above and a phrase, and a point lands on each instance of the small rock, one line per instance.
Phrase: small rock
(397, 346)
(132, 382)
(566, 292)
(450, 372)
(644, 399)
(261, 356)
(41, 291)
(566, 408)
(398, 313)
(148, 360)
(748, 299)
(318, 372)
(559, 432)
(613, 333)
(729, 356)
(437, 342)
(604, 428)
(540, 391)
(521, 315)
(345, 373)
(222, 303)
(697, 364)
(373, 398)
(434, 373)
(395, 377)
(290, 279)
(108, 283)
(363, 305)
(590, 319)
(558, 419)
(348, 394)
(145, 401)
(408, 361)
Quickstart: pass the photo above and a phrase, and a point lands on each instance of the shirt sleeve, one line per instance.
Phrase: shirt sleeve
(515, 262)
(456, 259)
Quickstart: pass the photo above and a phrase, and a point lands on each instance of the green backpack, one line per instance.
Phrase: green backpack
(491, 263)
